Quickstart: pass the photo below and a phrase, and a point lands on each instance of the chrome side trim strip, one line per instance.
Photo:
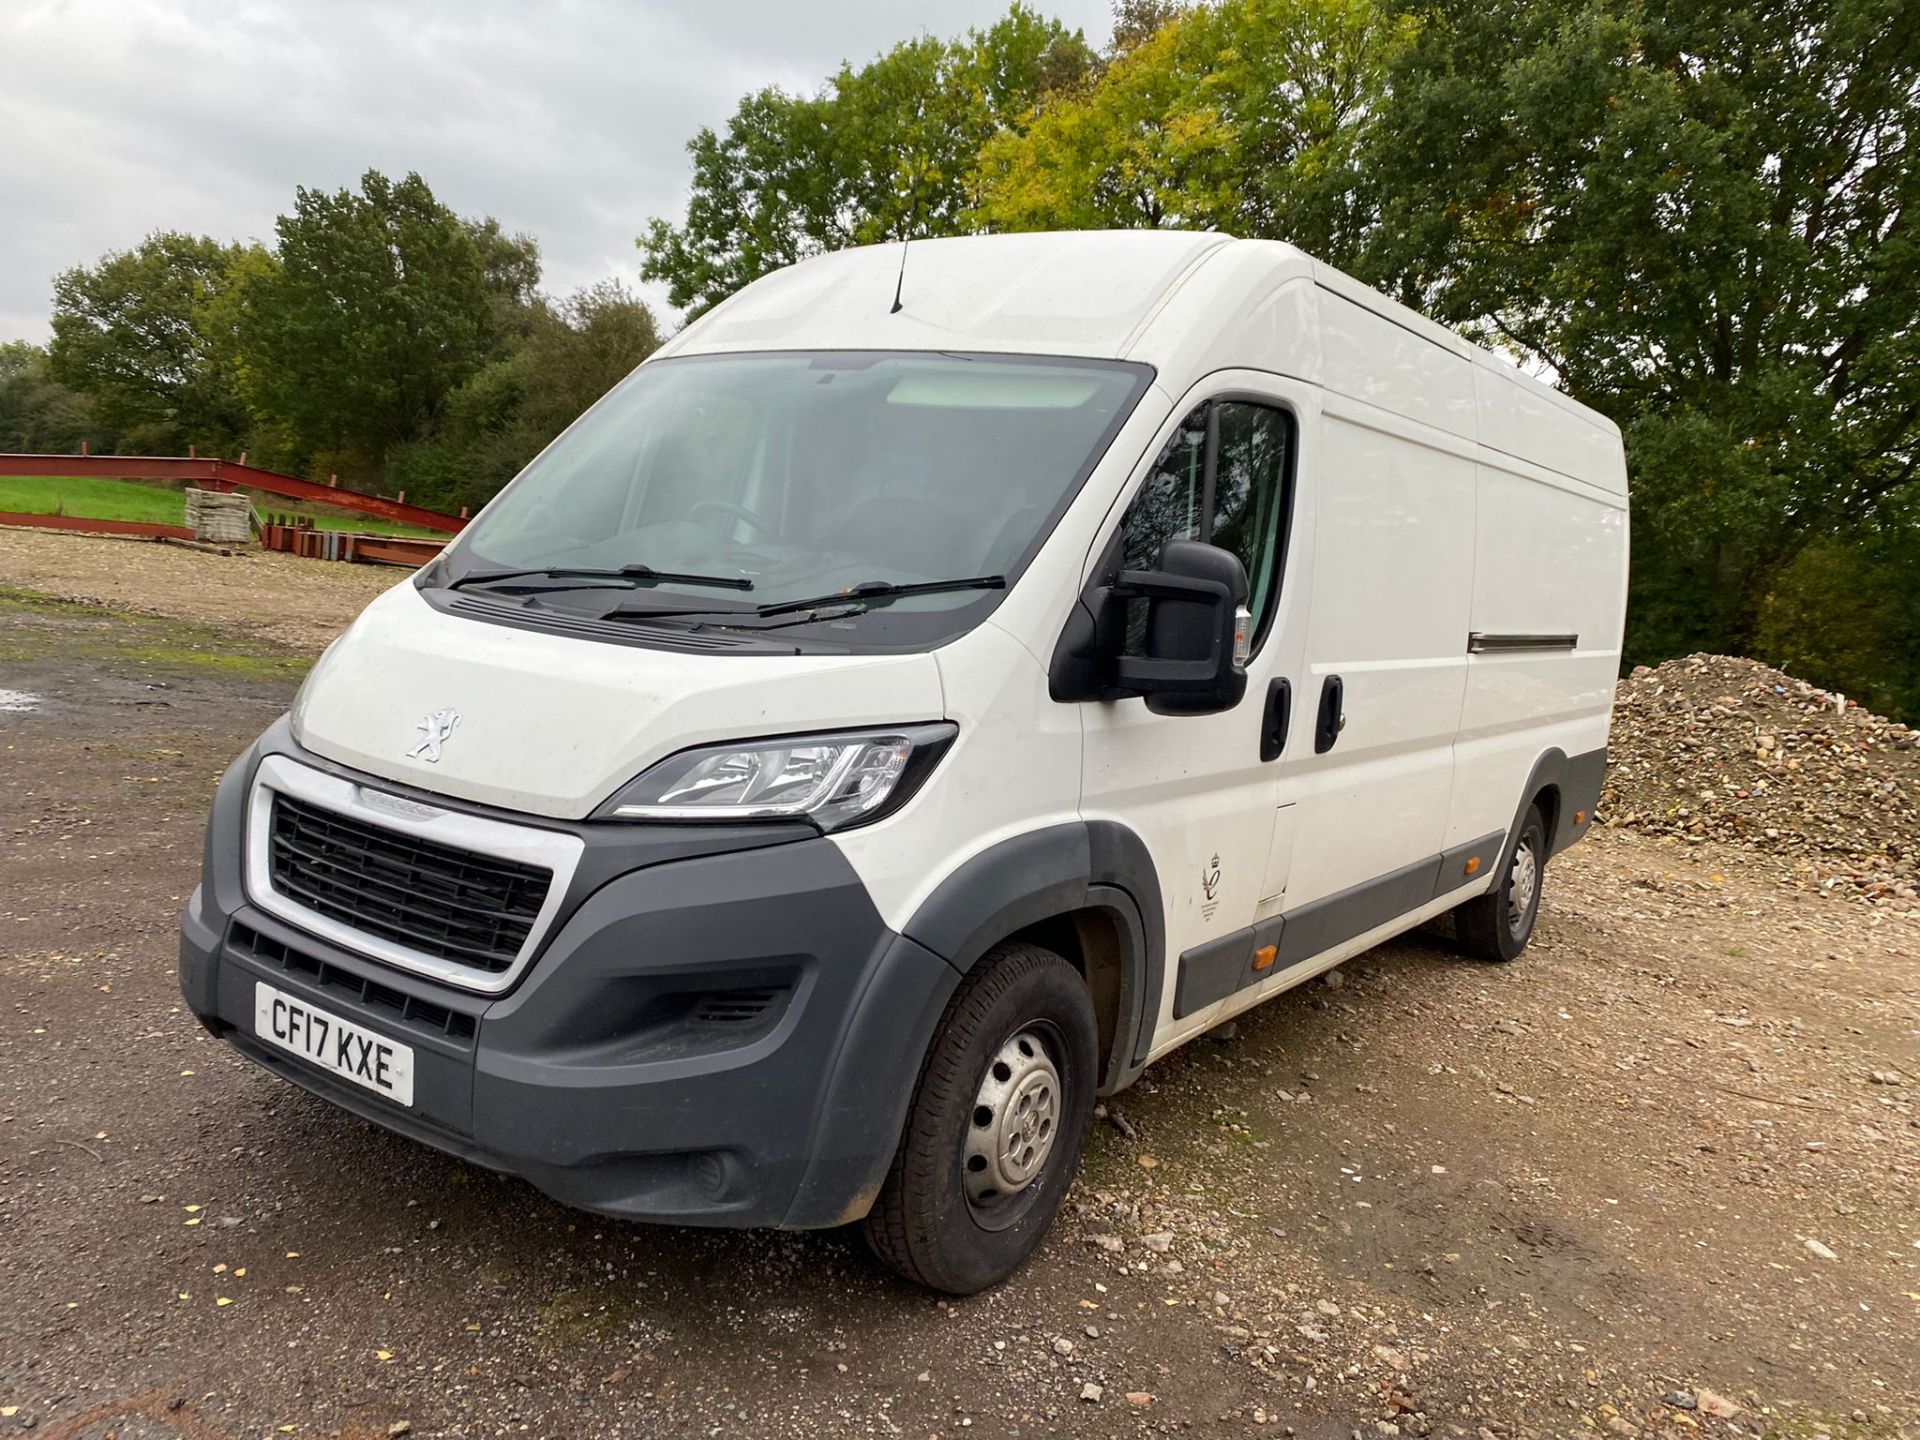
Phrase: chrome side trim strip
(549, 849)
(1481, 643)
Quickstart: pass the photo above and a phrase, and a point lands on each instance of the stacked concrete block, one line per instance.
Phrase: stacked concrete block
(223, 519)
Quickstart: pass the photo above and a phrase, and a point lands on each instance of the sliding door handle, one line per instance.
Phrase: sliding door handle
(1333, 715)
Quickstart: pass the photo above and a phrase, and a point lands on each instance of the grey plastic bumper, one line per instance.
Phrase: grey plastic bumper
(722, 1038)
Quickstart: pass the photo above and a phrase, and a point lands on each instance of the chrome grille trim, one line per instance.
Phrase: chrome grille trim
(551, 850)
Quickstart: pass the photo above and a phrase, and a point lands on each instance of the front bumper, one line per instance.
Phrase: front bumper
(706, 1036)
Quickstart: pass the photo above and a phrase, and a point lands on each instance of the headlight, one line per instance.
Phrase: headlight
(833, 780)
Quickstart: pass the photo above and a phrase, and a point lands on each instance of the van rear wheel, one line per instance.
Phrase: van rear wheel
(998, 1119)
(1498, 924)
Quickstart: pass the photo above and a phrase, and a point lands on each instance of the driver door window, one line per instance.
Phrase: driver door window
(1224, 477)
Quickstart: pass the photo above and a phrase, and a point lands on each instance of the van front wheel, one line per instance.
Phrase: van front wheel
(1498, 924)
(998, 1120)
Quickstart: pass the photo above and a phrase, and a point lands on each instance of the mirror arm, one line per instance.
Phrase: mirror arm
(1158, 585)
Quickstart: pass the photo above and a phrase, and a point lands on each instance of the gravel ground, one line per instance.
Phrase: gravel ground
(255, 594)
(1660, 1177)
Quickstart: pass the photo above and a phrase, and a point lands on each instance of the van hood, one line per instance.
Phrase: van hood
(552, 725)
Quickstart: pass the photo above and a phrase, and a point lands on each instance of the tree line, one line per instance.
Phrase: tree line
(382, 338)
(1694, 215)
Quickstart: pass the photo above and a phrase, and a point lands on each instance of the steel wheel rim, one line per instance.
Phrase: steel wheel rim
(1523, 885)
(1014, 1124)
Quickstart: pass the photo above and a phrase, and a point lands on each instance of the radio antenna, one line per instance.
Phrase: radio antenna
(902, 279)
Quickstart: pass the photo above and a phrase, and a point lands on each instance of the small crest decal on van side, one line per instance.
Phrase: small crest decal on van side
(1210, 887)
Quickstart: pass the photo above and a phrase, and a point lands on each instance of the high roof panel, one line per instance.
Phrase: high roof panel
(1074, 292)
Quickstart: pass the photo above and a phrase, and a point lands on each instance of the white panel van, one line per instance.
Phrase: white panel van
(935, 685)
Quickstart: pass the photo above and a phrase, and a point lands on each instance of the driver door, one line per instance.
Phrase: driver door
(1202, 791)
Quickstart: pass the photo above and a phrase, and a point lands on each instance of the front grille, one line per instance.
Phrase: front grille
(474, 910)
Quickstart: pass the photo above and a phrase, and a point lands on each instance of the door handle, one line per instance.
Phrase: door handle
(1273, 724)
(1333, 715)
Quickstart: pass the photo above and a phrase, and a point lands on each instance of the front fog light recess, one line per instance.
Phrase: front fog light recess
(833, 780)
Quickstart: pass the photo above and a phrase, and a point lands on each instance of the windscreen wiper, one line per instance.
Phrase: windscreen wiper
(850, 601)
(868, 591)
(633, 575)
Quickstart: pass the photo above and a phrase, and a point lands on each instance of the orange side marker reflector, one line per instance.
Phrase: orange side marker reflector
(1579, 817)
(1473, 865)
(1264, 957)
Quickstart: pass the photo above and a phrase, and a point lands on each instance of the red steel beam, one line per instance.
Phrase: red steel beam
(97, 527)
(409, 550)
(229, 473)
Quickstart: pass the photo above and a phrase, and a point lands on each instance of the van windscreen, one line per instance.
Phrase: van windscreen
(808, 474)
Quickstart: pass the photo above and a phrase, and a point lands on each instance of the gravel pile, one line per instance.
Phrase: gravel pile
(1714, 748)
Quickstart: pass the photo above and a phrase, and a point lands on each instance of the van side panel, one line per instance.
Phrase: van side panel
(1393, 544)
(1523, 418)
(1549, 566)
(1370, 358)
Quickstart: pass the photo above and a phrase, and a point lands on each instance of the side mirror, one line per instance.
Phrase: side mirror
(1195, 662)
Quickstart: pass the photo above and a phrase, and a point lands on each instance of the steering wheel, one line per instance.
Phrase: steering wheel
(736, 512)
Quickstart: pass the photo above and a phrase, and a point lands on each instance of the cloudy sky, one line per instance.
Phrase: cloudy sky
(566, 119)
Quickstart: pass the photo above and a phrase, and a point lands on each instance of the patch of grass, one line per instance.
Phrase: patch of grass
(116, 637)
(92, 497)
(252, 665)
(32, 602)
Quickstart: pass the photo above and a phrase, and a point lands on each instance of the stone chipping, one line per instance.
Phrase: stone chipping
(1713, 748)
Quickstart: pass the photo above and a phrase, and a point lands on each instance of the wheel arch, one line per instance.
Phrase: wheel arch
(1549, 802)
(1543, 788)
(1084, 889)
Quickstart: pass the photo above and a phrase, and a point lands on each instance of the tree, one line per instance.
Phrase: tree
(37, 413)
(1843, 613)
(510, 265)
(572, 352)
(761, 199)
(1142, 149)
(132, 332)
(884, 152)
(1699, 215)
(1247, 116)
(578, 349)
(1137, 21)
(381, 305)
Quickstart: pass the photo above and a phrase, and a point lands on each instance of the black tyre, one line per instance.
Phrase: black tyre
(999, 1116)
(1498, 924)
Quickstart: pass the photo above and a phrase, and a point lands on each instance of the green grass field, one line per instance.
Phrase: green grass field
(92, 498)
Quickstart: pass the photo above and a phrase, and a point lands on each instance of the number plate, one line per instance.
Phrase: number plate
(371, 1061)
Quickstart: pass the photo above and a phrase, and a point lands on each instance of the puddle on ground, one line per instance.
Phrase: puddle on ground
(19, 702)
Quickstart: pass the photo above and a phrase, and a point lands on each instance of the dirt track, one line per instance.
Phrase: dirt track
(1547, 1198)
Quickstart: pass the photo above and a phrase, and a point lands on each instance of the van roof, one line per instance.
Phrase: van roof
(1078, 292)
(1092, 293)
